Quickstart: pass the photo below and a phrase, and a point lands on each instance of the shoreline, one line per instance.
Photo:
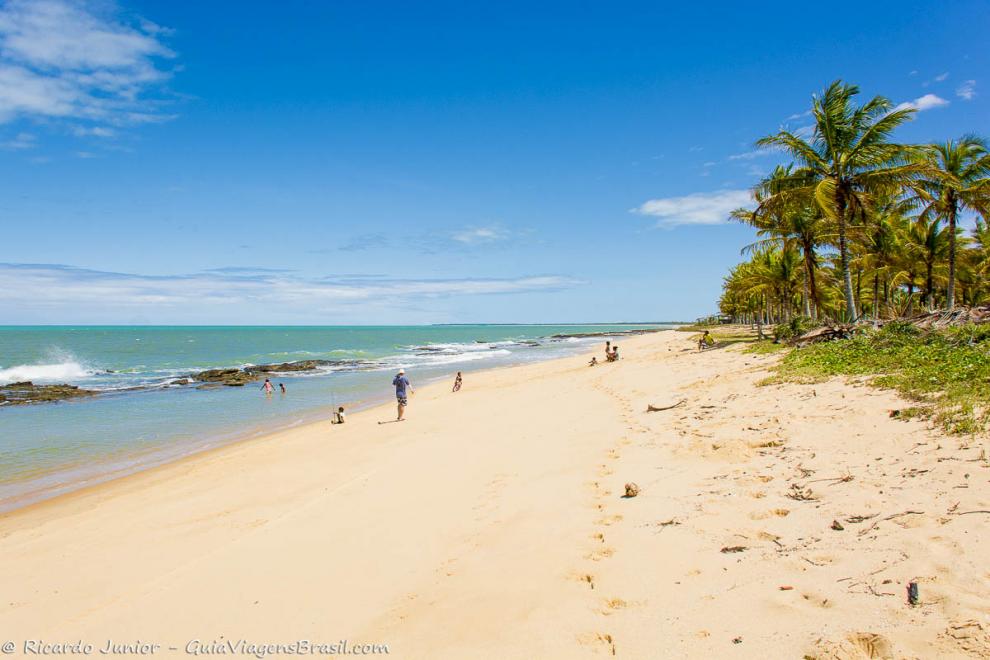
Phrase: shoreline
(74, 476)
(492, 523)
(258, 433)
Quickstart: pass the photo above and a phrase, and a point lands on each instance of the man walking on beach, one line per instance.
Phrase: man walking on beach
(401, 384)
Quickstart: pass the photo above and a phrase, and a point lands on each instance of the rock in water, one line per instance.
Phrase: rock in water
(229, 377)
(27, 392)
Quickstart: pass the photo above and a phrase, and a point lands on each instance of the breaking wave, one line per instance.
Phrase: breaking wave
(61, 372)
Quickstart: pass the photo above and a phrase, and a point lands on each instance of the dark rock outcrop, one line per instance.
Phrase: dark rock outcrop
(229, 377)
(285, 367)
(233, 377)
(27, 392)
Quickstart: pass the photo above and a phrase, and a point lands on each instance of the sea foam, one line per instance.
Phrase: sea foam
(62, 372)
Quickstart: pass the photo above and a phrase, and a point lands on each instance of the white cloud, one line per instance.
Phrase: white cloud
(942, 76)
(750, 155)
(799, 115)
(33, 287)
(926, 102)
(68, 59)
(93, 131)
(20, 141)
(480, 235)
(967, 90)
(696, 209)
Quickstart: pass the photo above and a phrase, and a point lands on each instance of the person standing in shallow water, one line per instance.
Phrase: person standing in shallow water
(402, 391)
(267, 387)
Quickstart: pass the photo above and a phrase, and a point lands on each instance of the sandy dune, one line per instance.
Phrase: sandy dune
(491, 525)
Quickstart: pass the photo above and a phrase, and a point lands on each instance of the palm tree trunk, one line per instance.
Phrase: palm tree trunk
(809, 269)
(929, 286)
(950, 295)
(876, 296)
(759, 319)
(840, 205)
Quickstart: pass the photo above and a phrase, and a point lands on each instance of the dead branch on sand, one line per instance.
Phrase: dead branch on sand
(652, 408)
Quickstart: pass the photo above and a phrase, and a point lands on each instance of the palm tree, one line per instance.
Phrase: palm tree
(787, 221)
(881, 245)
(927, 241)
(847, 157)
(955, 178)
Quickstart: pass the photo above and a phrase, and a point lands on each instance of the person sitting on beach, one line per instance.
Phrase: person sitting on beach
(267, 387)
(594, 362)
(614, 355)
(706, 341)
(338, 416)
(457, 382)
(401, 385)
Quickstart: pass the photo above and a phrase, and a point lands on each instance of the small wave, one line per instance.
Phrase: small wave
(439, 358)
(456, 348)
(61, 372)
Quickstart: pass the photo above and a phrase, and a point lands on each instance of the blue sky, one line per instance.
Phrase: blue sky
(375, 162)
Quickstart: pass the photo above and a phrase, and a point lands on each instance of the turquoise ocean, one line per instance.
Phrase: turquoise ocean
(139, 420)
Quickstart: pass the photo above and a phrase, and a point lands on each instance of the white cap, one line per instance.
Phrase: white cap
(402, 371)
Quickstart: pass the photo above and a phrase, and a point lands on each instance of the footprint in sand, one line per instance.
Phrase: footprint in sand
(855, 646)
(601, 554)
(816, 599)
(612, 605)
(583, 578)
(599, 639)
(608, 520)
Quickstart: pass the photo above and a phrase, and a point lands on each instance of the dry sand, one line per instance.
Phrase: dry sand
(491, 525)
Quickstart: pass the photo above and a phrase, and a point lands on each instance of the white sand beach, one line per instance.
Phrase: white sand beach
(490, 524)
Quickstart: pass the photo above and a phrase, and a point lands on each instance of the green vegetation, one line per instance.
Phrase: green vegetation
(765, 347)
(859, 225)
(947, 373)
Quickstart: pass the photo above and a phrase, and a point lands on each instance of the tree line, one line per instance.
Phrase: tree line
(859, 226)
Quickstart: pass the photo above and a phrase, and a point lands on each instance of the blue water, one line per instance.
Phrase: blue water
(140, 420)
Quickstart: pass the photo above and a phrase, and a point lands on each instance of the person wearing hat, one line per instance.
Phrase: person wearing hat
(401, 385)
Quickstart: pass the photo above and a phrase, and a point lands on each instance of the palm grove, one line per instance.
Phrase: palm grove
(859, 226)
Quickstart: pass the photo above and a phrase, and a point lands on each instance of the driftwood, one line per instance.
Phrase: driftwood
(957, 316)
(652, 408)
(824, 333)
(937, 320)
